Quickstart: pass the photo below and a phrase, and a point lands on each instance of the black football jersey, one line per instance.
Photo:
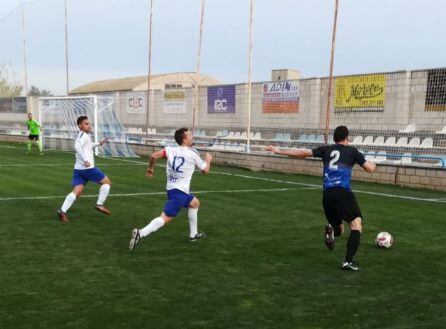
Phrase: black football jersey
(338, 162)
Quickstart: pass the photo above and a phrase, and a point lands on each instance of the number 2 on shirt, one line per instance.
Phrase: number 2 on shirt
(335, 157)
(177, 166)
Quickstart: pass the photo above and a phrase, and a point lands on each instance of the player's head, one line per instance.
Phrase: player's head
(83, 123)
(183, 136)
(30, 116)
(340, 134)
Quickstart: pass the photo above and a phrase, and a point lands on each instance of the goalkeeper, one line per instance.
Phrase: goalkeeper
(33, 134)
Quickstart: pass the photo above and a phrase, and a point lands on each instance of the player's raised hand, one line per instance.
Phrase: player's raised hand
(104, 140)
(271, 148)
(149, 172)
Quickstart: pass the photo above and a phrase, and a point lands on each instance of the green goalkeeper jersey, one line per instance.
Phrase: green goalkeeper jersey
(33, 127)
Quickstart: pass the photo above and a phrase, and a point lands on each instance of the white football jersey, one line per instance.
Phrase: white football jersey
(84, 151)
(180, 167)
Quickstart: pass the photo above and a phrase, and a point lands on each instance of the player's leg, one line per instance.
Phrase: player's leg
(35, 140)
(193, 206)
(104, 189)
(334, 228)
(69, 200)
(353, 216)
(39, 144)
(154, 225)
(175, 201)
(28, 145)
(354, 239)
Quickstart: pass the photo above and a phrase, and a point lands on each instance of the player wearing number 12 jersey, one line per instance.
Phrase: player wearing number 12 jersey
(338, 200)
(180, 166)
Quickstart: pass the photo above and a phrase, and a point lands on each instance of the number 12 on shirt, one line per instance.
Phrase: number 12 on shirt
(177, 163)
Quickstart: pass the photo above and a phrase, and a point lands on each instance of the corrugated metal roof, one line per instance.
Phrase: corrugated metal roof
(157, 81)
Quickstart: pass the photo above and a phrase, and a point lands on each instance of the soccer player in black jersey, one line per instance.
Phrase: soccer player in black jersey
(338, 200)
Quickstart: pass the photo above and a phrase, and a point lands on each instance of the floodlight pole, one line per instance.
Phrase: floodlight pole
(66, 51)
(197, 67)
(149, 65)
(248, 140)
(330, 79)
(24, 50)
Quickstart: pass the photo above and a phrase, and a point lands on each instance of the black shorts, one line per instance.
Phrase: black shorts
(340, 204)
(33, 137)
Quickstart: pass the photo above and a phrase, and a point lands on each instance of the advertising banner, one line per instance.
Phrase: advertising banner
(280, 97)
(174, 102)
(221, 99)
(436, 90)
(362, 92)
(136, 103)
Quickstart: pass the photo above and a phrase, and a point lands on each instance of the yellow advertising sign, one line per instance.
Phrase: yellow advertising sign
(174, 96)
(360, 92)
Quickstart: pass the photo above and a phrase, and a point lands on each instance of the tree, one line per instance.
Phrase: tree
(9, 83)
(34, 91)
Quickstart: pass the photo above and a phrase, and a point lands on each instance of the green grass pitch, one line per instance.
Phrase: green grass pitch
(263, 264)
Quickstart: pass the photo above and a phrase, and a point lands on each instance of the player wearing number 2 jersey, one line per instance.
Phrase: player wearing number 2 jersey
(180, 166)
(338, 200)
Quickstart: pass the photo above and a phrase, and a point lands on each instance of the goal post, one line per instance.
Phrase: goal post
(58, 116)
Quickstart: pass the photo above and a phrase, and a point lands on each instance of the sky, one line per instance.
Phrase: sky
(109, 38)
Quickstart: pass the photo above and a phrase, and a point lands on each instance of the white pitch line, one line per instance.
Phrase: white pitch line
(132, 161)
(356, 191)
(66, 165)
(152, 193)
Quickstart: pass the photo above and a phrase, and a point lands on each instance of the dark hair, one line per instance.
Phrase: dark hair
(81, 119)
(340, 133)
(179, 135)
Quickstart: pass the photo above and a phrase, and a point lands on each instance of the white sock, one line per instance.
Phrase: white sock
(153, 226)
(193, 222)
(69, 200)
(103, 193)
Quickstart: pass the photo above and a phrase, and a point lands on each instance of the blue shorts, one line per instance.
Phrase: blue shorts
(176, 200)
(82, 177)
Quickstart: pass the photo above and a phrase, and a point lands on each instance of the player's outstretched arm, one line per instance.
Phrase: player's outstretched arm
(369, 166)
(208, 160)
(295, 153)
(155, 156)
(103, 141)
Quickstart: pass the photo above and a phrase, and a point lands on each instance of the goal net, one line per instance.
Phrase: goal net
(58, 116)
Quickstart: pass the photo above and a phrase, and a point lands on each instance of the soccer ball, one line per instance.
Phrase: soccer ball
(384, 240)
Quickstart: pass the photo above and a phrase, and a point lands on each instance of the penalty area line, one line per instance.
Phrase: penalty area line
(153, 193)
(65, 165)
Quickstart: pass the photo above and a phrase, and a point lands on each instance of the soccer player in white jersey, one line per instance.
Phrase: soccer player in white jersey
(85, 171)
(180, 166)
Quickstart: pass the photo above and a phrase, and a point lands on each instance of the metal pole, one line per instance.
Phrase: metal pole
(95, 114)
(24, 50)
(197, 68)
(42, 140)
(66, 50)
(248, 139)
(330, 79)
(149, 65)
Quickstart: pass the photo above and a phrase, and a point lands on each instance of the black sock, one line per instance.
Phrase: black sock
(352, 245)
(337, 230)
